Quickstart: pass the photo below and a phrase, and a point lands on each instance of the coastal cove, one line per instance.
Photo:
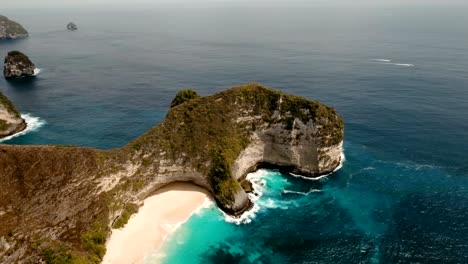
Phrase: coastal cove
(158, 218)
(212, 141)
(397, 78)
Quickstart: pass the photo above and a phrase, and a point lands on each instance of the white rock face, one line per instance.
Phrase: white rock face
(328, 157)
(169, 173)
(295, 148)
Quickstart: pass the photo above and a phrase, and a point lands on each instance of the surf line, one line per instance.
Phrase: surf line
(32, 124)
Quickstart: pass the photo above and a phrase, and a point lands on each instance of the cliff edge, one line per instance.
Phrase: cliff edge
(58, 203)
(10, 119)
(10, 29)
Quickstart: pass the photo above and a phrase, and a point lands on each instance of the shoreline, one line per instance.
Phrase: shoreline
(32, 124)
(147, 230)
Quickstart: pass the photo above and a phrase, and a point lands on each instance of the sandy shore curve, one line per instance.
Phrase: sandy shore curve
(160, 215)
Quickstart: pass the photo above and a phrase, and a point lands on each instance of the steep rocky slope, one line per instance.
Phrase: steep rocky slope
(10, 119)
(10, 29)
(17, 65)
(57, 203)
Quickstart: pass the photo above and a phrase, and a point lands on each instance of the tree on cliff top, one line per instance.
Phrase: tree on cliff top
(183, 96)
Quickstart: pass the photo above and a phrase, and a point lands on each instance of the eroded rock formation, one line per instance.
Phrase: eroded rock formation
(10, 29)
(60, 202)
(71, 26)
(10, 119)
(18, 65)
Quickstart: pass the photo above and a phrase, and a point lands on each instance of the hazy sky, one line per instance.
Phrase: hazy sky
(196, 3)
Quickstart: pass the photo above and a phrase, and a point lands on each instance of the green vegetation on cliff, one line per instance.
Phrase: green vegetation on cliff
(183, 96)
(3, 125)
(265, 101)
(208, 133)
(128, 211)
(11, 29)
(8, 106)
(80, 193)
(224, 185)
(19, 60)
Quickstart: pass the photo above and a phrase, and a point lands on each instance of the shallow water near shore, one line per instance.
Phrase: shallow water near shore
(398, 79)
(371, 211)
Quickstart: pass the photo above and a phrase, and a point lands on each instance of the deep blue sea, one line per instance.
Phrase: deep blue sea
(398, 75)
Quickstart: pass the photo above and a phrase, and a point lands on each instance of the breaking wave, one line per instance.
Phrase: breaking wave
(258, 183)
(343, 159)
(402, 64)
(303, 193)
(382, 60)
(389, 62)
(36, 71)
(33, 124)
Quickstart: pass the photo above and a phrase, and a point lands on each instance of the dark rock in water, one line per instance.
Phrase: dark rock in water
(10, 119)
(10, 29)
(18, 65)
(247, 186)
(72, 26)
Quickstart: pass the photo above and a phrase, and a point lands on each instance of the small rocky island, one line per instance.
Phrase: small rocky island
(58, 203)
(10, 29)
(71, 26)
(10, 119)
(18, 65)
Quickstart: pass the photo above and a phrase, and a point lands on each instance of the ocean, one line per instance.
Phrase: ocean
(398, 75)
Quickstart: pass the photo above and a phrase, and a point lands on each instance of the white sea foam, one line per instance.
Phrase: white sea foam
(400, 64)
(309, 178)
(206, 204)
(274, 204)
(171, 228)
(382, 60)
(389, 62)
(269, 203)
(36, 71)
(303, 193)
(258, 184)
(403, 64)
(342, 160)
(33, 124)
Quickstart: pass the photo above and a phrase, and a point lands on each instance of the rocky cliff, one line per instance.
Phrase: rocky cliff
(58, 203)
(17, 65)
(10, 119)
(71, 26)
(10, 29)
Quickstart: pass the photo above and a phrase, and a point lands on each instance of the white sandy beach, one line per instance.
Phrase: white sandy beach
(160, 215)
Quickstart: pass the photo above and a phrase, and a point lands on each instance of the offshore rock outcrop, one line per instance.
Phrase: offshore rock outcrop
(60, 202)
(10, 29)
(18, 65)
(71, 26)
(10, 119)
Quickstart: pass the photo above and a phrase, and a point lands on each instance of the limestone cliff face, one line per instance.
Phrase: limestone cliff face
(17, 65)
(10, 120)
(10, 29)
(295, 150)
(61, 202)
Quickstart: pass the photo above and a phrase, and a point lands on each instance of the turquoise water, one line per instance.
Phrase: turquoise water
(371, 211)
(398, 75)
